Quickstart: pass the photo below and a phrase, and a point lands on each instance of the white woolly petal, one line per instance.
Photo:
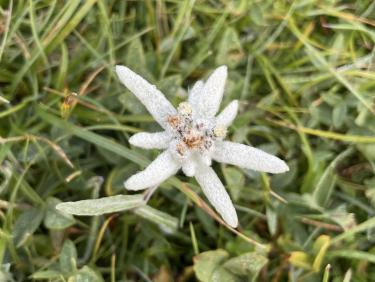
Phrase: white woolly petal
(195, 92)
(248, 157)
(189, 167)
(216, 194)
(158, 140)
(159, 170)
(205, 158)
(229, 113)
(209, 100)
(155, 102)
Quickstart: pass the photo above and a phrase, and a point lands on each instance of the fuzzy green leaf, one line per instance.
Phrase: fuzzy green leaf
(206, 263)
(246, 264)
(55, 219)
(68, 257)
(86, 274)
(102, 205)
(26, 225)
(166, 222)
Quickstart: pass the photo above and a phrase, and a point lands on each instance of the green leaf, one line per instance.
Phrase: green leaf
(165, 221)
(230, 50)
(214, 266)
(102, 205)
(206, 263)
(170, 86)
(68, 257)
(46, 274)
(221, 274)
(5, 274)
(338, 44)
(246, 264)
(256, 15)
(26, 225)
(285, 179)
(320, 245)
(135, 57)
(86, 274)
(235, 180)
(271, 219)
(339, 114)
(367, 150)
(324, 188)
(300, 259)
(55, 219)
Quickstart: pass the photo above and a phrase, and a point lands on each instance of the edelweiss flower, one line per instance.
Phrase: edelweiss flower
(192, 137)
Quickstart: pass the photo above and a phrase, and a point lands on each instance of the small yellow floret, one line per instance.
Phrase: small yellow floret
(220, 131)
(184, 108)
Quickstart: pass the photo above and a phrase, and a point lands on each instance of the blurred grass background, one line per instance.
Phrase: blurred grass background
(304, 74)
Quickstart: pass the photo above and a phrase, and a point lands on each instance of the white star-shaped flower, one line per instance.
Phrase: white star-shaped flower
(192, 137)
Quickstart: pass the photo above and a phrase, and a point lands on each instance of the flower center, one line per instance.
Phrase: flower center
(192, 135)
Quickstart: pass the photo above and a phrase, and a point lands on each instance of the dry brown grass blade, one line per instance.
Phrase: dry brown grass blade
(328, 226)
(83, 103)
(90, 78)
(348, 16)
(58, 150)
(70, 177)
(278, 197)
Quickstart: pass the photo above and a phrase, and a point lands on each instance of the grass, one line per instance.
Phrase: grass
(304, 74)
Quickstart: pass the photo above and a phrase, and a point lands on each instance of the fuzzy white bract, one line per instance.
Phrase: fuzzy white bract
(192, 137)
